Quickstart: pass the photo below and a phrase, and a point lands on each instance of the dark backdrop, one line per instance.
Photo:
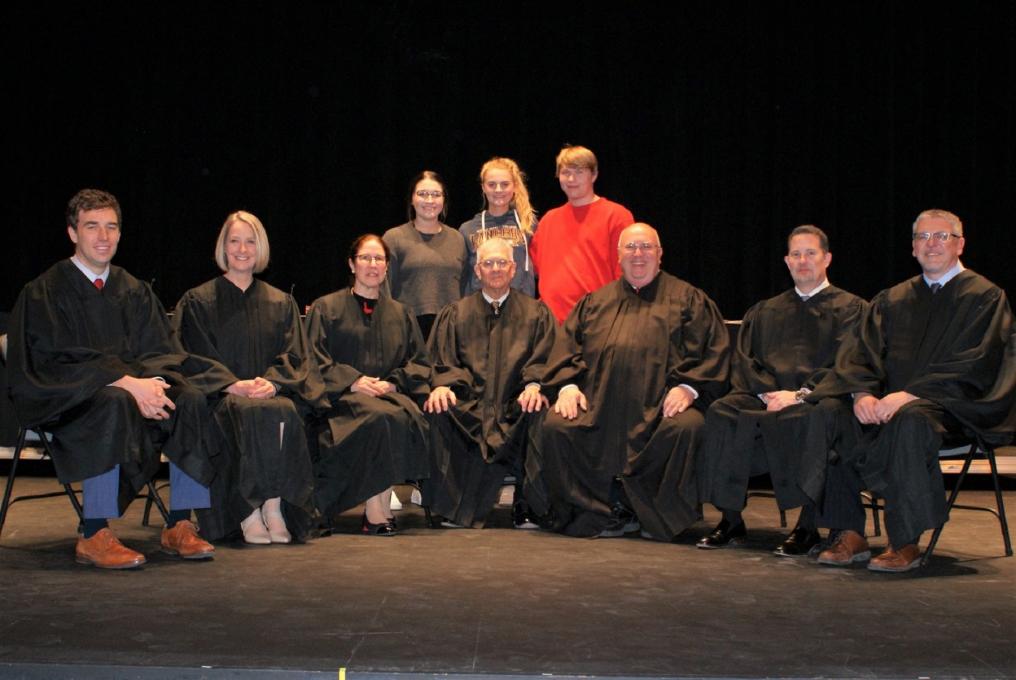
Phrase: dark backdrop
(722, 124)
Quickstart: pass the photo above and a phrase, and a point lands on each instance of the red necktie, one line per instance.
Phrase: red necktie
(98, 284)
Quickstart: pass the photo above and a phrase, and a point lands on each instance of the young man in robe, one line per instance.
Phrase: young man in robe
(573, 248)
(785, 347)
(92, 361)
(632, 372)
(925, 365)
(489, 353)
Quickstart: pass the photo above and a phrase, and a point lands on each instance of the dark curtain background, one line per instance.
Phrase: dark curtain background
(722, 124)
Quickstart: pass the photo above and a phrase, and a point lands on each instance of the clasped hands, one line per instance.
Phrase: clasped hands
(872, 411)
(372, 387)
(149, 394)
(257, 388)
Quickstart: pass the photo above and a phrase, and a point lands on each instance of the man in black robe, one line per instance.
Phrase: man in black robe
(924, 366)
(92, 361)
(785, 347)
(488, 353)
(633, 370)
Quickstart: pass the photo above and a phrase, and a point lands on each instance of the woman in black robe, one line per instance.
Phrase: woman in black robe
(371, 356)
(265, 382)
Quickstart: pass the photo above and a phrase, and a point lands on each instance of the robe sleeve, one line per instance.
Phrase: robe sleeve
(703, 358)
(447, 370)
(749, 374)
(190, 327)
(848, 320)
(293, 369)
(50, 370)
(535, 368)
(566, 365)
(338, 377)
(412, 375)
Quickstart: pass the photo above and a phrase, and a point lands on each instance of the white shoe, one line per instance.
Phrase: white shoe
(254, 529)
(396, 504)
(272, 516)
(416, 498)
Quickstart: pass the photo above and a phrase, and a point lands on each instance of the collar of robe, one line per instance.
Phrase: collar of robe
(647, 291)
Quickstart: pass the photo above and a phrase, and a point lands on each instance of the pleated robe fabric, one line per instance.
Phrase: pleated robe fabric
(625, 349)
(247, 334)
(784, 343)
(487, 361)
(68, 342)
(366, 444)
(950, 350)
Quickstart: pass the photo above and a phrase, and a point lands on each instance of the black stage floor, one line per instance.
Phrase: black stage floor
(499, 603)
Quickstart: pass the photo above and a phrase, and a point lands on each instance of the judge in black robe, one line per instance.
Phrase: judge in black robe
(371, 355)
(75, 346)
(785, 347)
(263, 385)
(925, 366)
(488, 352)
(636, 365)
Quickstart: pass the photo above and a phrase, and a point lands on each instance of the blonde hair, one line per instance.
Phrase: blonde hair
(952, 219)
(579, 156)
(521, 198)
(260, 240)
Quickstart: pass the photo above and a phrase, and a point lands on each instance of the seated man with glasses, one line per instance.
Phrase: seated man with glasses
(785, 347)
(633, 370)
(488, 354)
(922, 365)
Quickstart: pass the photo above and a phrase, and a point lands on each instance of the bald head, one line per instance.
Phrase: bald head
(640, 254)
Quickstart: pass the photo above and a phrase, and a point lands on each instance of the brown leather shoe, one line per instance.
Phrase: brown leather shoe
(896, 561)
(105, 551)
(183, 540)
(849, 547)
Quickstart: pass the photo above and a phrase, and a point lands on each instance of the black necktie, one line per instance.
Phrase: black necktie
(935, 287)
(496, 306)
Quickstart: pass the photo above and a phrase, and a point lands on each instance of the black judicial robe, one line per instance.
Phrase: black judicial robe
(68, 341)
(625, 350)
(366, 444)
(784, 343)
(946, 348)
(486, 361)
(253, 333)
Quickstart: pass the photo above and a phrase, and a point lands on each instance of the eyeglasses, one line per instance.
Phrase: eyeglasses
(367, 259)
(429, 194)
(942, 236)
(495, 264)
(645, 247)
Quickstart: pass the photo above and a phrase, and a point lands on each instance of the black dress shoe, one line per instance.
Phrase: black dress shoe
(622, 521)
(799, 543)
(382, 529)
(724, 536)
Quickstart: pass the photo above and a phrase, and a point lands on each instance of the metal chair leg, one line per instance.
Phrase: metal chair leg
(926, 557)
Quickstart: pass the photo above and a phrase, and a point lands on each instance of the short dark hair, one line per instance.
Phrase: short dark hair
(91, 199)
(823, 240)
(433, 176)
(354, 248)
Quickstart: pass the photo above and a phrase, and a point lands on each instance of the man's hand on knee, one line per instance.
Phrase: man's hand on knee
(149, 395)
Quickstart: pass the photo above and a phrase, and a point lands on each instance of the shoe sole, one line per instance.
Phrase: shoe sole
(90, 563)
(856, 557)
(780, 553)
(736, 542)
(527, 526)
(195, 556)
(916, 564)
